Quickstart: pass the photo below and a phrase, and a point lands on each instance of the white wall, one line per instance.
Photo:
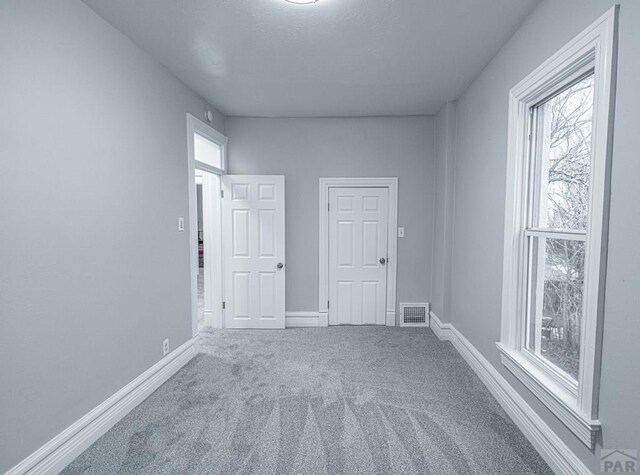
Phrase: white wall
(306, 149)
(480, 174)
(93, 175)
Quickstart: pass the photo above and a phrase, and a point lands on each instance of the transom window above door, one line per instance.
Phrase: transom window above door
(207, 151)
(207, 146)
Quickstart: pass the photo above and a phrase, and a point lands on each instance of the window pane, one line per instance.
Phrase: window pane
(207, 151)
(556, 282)
(563, 158)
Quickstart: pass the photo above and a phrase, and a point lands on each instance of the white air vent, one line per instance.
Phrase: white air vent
(414, 314)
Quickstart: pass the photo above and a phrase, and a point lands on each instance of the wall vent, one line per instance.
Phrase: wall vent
(414, 314)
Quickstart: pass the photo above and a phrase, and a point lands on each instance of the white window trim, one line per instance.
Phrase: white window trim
(214, 247)
(576, 407)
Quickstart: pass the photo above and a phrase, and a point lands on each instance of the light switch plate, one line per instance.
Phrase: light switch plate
(180, 223)
(401, 232)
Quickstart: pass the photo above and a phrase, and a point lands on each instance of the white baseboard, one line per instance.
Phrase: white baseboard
(555, 452)
(302, 319)
(56, 454)
(390, 320)
(321, 319)
(441, 330)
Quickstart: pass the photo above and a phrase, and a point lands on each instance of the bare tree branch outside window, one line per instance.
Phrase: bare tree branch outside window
(564, 205)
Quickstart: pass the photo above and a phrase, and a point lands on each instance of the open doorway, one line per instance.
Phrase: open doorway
(206, 165)
(199, 179)
(209, 238)
(253, 221)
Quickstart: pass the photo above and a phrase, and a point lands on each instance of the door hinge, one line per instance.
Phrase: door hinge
(327, 304)
(221, 193)
(328, 206)
(224, 305)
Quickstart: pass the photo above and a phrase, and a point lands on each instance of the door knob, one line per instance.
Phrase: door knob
(383, 261)
(280, 265)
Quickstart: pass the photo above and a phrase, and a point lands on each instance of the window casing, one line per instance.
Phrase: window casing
(560, 123)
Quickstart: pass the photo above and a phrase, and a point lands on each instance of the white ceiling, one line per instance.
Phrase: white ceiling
(332, 58)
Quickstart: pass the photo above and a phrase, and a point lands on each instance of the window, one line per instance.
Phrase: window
(556, 230)
(207, 147)
(207, 151)
(556, 226)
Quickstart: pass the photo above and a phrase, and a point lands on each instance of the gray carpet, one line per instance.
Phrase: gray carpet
(307, 401)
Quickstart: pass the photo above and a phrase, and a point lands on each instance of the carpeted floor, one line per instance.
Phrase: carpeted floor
(306, 401)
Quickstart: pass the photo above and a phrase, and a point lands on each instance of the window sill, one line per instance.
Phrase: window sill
(556, 398)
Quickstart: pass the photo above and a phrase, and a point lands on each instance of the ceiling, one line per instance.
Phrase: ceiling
(333, 58)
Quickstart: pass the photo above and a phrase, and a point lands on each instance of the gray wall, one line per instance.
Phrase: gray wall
(93, 175)
(306, 149)
(445, 128)
(480, 174)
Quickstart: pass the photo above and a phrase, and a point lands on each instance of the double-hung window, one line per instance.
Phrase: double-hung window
(560, 128)
(555, 231)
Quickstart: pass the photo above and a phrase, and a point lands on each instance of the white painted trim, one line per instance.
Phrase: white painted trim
(302, 319)
(323, 319)
(551, 447)
(561, 402)
(594, 48)
(441, 330)
(302, 314)
(56, 454)
(217, 285)
(323, 238)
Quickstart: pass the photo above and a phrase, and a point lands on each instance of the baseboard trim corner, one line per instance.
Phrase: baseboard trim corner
(441, 330)
(390, 318)
(56, 454)
(553, 449)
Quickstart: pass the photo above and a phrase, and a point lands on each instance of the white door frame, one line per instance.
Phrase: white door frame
(325, 184)
(214, 248)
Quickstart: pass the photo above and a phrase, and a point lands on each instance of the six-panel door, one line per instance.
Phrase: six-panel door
(358, 220)
(254, 252)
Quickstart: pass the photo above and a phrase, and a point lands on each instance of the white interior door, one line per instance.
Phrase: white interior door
(358, 220)
(253, 248)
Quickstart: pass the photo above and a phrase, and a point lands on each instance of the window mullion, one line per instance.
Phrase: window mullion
(568, 235)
